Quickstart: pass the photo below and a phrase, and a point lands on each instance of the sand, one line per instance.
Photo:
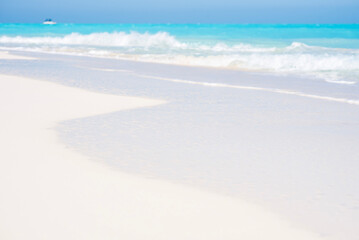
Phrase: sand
(48, 191)
(6, 55)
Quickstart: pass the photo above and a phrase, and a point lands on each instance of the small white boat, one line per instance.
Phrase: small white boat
(49, 21)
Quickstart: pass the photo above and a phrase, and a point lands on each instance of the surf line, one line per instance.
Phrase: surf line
(223, 85)
(273, 90)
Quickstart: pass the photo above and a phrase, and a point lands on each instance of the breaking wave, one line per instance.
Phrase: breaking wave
(335, 65)
(115, 39)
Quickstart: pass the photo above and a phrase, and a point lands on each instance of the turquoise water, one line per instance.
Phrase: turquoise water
(327, 52)
(327, 35)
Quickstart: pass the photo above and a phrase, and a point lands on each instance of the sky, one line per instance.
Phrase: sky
(180, 11)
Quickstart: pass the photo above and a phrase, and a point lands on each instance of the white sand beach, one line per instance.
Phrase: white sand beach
(48, 191)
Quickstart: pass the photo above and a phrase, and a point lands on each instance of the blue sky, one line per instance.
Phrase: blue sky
(180, 11)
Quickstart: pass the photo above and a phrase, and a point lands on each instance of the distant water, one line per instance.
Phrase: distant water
(327, 52)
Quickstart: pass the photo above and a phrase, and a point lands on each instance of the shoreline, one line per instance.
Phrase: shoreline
(265, 72)
(51, 192)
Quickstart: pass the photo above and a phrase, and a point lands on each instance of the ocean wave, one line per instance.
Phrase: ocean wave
(336, 65)
(115, 39)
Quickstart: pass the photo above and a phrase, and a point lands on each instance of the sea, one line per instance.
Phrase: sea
(329, 52)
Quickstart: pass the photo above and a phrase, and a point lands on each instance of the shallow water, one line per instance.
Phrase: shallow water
(294, 154)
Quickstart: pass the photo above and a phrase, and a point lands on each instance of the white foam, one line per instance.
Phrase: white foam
(115, 39)
(332, 64)
(341, 82)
